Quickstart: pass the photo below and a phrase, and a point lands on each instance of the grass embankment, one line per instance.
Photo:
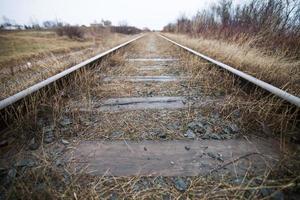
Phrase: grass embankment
(19, 45)
(277, 70)
(28, 57)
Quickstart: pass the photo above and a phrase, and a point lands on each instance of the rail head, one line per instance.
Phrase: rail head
(266, 86)
(28, 91)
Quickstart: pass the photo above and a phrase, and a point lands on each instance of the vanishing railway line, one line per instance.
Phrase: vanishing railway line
(10, 101)
(148, 111)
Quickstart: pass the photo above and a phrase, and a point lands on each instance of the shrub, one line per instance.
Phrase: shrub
(70, 31)
(274, 23)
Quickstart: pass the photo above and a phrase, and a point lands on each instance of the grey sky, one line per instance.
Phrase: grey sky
(152, 13)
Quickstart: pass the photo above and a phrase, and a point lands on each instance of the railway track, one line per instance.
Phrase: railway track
(146, 111)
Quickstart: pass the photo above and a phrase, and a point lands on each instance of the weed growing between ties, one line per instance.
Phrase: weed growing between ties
(45, 172)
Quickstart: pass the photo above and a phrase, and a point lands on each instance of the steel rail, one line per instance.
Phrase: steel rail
(26, 92)
(272, 89)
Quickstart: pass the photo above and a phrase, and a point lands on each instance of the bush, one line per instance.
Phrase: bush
(129, 30)
(274, 23)
(70, 31)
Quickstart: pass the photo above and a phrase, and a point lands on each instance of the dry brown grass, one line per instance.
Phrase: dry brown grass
(49, 63)
(49, 181)
(276, 69)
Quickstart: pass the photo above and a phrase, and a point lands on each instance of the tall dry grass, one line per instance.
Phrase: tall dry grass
(49, 64)
(275, 69)
(274, 23)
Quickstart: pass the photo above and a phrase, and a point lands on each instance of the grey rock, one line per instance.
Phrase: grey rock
(265, 192)
(236, 114)
(192, 125)
(174, 126)
(217, 115)
(159, 181)
(47, 129)
(48, 134)
(116, 134)
(162, 135)
(216, 156)
(187, 148)
(190, 134)
(33, 145)
(278, 196)
(226, 137)
(234, 128)
(113, 196)
(65, 121)
(3, 143)
(49, 138)
(212, 155)
(198, 127)
(166, 197)
(25, 163)
(215, 136)
(59, 163)
(226, 130)
(12, 173)
(142, 184)
(238, 181)
(205, 136)
(180, 184)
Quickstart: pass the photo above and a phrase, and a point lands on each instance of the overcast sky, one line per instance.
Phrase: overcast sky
(141, 13)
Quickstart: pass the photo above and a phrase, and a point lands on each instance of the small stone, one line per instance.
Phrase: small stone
(192, 125)
(234, 128)
(65, 142)
(3, 143)
(190, 134)
(25, 163)
(12, 173)
(206, 136)
(226, 130)
(265, 192)
(217, 156)
(145, 149)
(116, 134)
(162, 135)
(48, 134)
(49, 139)
(59, 163)
(172, 163)
(212, 155)
(174, 126)
(33, 145)
(220, 157)
(238, 181)
(113, 196)
(236, 113)
(180, 184)
(278, 196)
(65, 121)
(215, 136)
(187, 148)
(198, 127)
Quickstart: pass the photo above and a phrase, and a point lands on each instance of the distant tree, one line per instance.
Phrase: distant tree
(49, 24)
(106, 22)
(7, 21)
(35, 24)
